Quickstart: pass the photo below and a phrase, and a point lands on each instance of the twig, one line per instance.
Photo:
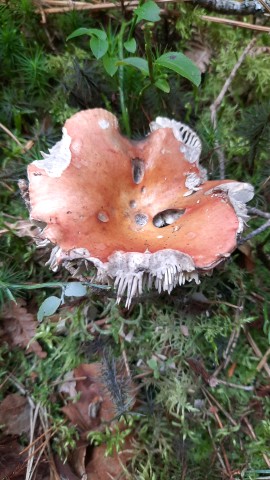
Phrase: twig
(216, 104)
(36, 411)
(35, 441)
(33, 421)
(253, 436)
(232, 341)
(21, 389)
(235, 23)
(11, 135)
(258, 231)
(67, 6)
(214, 400)
(247, 388)
(124, 355)
(265, 5)
(259, 213)
(256, 350)
(216, 449)
(231, 346)
(73, 379)
(233, 7)
(227, 466)
(263, 361)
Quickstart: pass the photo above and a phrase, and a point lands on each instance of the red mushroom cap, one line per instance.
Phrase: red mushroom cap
(139, 211)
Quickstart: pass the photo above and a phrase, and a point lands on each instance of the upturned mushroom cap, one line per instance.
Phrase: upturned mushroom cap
(141, 212)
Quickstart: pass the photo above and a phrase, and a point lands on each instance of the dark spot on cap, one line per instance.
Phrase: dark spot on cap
(137, 170)
(103, 217)
(167, 217)
(141, 219)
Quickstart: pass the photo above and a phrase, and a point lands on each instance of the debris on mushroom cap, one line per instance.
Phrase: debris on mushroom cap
(143, 213)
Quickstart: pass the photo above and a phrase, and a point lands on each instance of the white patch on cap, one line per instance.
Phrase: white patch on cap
(104, 124)
(58, 159)
(192, 181)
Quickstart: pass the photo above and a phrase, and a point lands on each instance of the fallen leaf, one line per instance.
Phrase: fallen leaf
(18, 327)
(12, 464)
(94, 405)
(77, 459)
(93, 411)
(199, 52)
(248, 259)
(101, 467)
(69, 385)
(15, 414)
(65, 470)
(259, 51)
(22, 228)
(231, 370)
(184, 330)
(198, 367)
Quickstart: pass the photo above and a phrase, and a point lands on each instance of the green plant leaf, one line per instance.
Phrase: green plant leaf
(136, 62)
(148, 11)
(75, 289)
(10, 295)
(163, 85)
(99, 47)
(130, 45)
(110, 64)
(179, 63)
(48, 307)
(96, 32)
(78, 33)
(90, 32)
(153, 364)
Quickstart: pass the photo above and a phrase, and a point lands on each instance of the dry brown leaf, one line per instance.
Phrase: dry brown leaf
(18, 327)
(199, 52)
(231, 370)
(15, 414)
(77, 459)
(248, 259)
(21, 228)
(65, 470)
(101, 467)
(259, 51)
(92, 411)
(68, 386)
(12, 464)
(94, 405)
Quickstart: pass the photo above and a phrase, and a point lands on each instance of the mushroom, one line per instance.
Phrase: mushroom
(143, 213)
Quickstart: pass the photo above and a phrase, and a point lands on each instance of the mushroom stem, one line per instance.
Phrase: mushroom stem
(124, 109)
(148, 51)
